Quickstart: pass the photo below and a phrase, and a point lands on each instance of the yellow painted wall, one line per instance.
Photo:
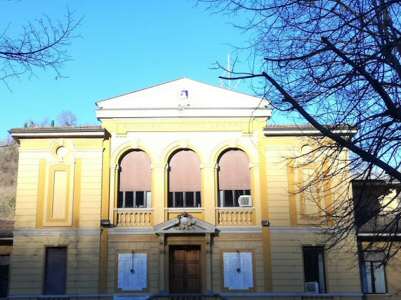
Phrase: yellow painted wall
(34, 231)
(28, 257)
(37, 158)
(93, 162)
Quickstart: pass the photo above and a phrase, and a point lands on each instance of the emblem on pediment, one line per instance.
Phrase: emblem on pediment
(185, 221)
(185, 224)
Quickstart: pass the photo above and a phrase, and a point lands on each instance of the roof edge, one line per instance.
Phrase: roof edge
(41, 132)
(306, 130)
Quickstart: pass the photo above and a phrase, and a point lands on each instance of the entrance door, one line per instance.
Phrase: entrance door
(185, 269)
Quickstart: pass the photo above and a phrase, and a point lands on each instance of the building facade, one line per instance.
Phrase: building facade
(183, 188)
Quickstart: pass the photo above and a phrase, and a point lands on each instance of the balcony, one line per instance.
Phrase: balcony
(133, 217)
(235, 216)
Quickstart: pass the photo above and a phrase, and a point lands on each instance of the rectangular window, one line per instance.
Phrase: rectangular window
(134, 199)
(4, 273)
(373, 273)
(229, 198)
(132, 271)
(55, 271)
(238, 270)
(314, 269)
(184, 199)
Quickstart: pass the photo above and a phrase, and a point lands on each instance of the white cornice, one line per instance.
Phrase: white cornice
(58, 134)
(304, 132)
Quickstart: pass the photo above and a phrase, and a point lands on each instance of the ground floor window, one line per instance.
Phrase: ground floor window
(314, 269)
(230, 198)
(132, 271)
(134, 199)
(55, 271)
(373, 273)
(184, 199)
(4, 273)
(238, 270)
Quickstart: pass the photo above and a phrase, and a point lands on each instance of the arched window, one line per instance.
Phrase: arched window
(234, 179)
(135, 179)
(184, 180)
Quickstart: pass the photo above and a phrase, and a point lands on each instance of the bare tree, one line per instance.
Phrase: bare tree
(66, 118)
(334, 62)
(40, 44)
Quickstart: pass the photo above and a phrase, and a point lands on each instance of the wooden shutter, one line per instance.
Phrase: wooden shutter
(55, 271)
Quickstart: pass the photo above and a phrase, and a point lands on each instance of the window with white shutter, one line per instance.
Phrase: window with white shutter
(238, 270)
(132, 271)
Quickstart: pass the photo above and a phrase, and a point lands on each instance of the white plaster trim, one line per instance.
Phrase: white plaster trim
(297, 229)
(289, 132)
(184, 209)
(57, 134)
(119, 113)
(239, 229)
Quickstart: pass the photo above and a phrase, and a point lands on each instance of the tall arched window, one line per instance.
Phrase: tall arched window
(184, 179)
(135, 179)
(234, 179)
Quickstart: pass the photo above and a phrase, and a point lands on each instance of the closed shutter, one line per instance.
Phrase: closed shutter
(135, 173)
(132, 271)
(185, 174)
(234, 171)
(238, 270)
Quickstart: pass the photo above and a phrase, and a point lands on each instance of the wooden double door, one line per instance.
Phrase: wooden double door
(185, 269)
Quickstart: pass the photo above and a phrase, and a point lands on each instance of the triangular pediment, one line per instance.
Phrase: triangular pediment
(191, 226)
(182, 98)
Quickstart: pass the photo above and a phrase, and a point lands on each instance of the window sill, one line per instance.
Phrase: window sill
(128, 209)
(184, 209)
(235, 207)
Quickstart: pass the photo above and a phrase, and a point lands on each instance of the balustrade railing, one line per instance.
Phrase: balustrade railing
(133, 217)
(235, 216)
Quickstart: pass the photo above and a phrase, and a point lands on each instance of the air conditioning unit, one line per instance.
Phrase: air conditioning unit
(312, 287)
(245, 201)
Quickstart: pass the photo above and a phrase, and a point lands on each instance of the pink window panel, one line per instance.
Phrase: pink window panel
(135, 172)
(184, 173)
(234, 171)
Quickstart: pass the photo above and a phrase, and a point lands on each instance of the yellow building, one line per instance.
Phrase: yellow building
(184, 188)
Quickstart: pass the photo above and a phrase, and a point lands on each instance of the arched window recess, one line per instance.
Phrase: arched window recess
(234, 184)
(135, 177)
(184, 180)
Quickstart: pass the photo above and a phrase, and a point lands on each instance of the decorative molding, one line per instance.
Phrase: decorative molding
(185, 224)
(311, 229)
(239, 229)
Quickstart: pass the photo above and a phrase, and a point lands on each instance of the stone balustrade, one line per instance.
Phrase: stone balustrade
(235, 216)
(133, 217)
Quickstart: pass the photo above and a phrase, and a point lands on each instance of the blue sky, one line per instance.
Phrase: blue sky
(123, 46)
